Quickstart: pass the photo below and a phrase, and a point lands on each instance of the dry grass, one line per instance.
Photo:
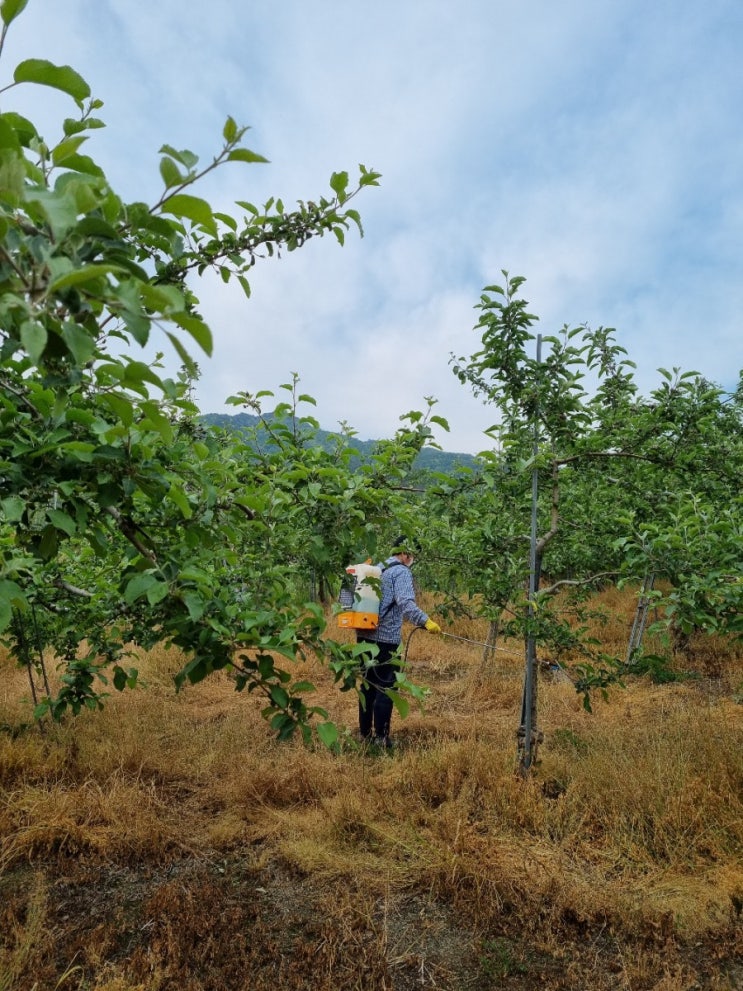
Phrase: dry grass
(169, 841)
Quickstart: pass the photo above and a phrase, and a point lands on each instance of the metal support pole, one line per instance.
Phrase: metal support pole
(641, 616)
(529, 704)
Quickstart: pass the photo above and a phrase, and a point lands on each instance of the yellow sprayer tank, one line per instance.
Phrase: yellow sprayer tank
(363, 614)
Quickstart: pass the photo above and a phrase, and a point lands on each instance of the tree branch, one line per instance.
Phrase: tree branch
(72, 589)
(577, 581)
(129, 529)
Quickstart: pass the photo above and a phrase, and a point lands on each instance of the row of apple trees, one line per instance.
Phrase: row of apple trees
(631, 488)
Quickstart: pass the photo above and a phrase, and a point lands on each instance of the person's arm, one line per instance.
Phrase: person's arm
(404, 595)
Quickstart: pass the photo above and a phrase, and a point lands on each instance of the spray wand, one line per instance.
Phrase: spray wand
(478, 643)
(556, 668)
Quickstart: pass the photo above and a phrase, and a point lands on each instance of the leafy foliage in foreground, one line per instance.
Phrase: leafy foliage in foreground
(122, 520)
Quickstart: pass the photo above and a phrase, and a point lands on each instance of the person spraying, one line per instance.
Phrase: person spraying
(396, 603)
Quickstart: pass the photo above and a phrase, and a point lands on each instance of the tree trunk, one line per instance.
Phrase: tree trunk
(488, 653)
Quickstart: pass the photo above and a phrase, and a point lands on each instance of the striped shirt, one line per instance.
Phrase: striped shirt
(397, 602)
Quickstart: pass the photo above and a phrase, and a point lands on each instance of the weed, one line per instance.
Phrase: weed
(498, 959)
(564, 738)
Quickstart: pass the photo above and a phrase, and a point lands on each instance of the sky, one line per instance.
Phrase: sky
(594, 147)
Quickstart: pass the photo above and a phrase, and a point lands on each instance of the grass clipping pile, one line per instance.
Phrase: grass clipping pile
(170, 842)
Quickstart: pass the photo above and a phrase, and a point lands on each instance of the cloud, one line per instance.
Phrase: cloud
(591, 147)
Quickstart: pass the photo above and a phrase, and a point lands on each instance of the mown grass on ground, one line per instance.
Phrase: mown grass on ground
(169, 841)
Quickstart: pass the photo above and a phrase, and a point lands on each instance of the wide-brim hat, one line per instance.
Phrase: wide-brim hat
(406, 544)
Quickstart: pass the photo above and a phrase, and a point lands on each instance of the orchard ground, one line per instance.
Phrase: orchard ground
(168, 841)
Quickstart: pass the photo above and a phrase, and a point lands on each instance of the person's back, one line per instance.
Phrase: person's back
(397, 603)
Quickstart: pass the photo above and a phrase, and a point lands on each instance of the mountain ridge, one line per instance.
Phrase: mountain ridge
(429, 459)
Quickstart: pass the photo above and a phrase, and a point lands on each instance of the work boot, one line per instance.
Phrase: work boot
(384, 743)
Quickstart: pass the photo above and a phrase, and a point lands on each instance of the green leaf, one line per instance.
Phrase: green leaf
(356, 217)
(196, 670)
(185, 157)
(82, 451)
(121, 408)
(13, 508)
(339, 184)
(78, 276)
(179, 497)
(8, 134)
(137, 372)
(138, 586)
(197, 329)
(96, 227)
(244, 155)
(265, 666)
(83, 190)
(11, 596)
(60, 209)
(33, 338)
(191, 208)
(328, 733)
(193, 574)
(368, 177)
(83, 164)
(229, 131)
(10, 9)
(157, 592)
(279, 696)
(170, 172)
(79, 342)
(185, 357)
(61, 77)
(226, 219)
(73, 126)
(48, 544)
(67, 148)
(23, 129)
(12, 180)
(195, 605)
(162, 299)
(43, 708)
(12, 592)
(62, 521)
(401, 704)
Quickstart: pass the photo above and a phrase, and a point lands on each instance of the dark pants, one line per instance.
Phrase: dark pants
(375, 706)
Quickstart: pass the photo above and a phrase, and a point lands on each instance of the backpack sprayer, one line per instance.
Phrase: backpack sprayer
(358, 597)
